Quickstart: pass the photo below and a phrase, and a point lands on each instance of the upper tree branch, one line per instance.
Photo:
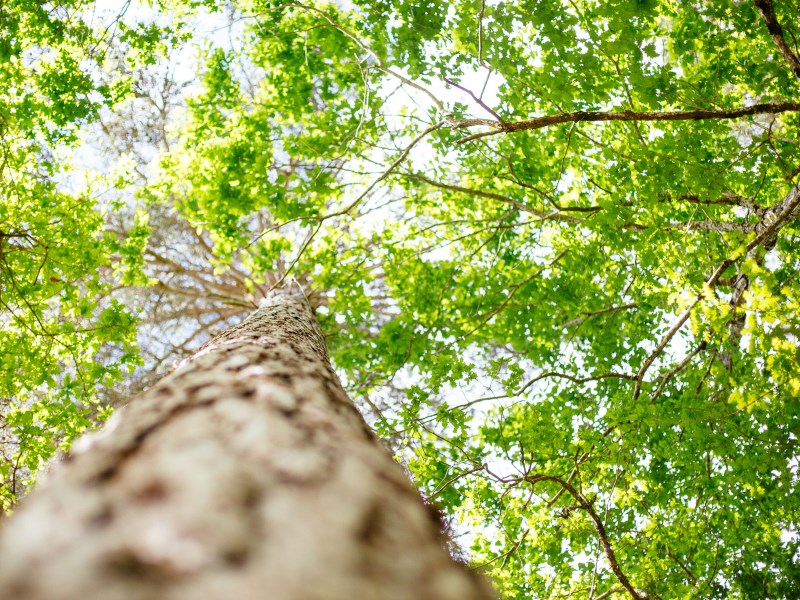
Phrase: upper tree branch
(557, 214)
(776, 32)
(767, 230)
(585, 504)
(551, 215)
(624, 115)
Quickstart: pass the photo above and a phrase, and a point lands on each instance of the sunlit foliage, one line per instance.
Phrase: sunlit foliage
(553, 244)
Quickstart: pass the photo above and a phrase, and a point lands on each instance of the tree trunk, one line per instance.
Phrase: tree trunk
(246, 473)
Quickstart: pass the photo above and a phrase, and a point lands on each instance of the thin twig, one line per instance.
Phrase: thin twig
(480, 102)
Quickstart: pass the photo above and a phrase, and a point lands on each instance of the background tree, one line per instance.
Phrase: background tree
(552, 247)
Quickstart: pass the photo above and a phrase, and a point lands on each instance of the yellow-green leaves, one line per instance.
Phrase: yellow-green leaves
(64, 339)
(560, 322)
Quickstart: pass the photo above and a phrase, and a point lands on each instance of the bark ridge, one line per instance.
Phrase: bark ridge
(246, 473)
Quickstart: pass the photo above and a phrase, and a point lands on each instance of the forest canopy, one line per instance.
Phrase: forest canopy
(553, 246)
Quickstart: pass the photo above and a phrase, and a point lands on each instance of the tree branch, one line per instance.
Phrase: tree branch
(555, 216)
(767, 229)
(480, 102)
(776, 33)
(586, 505)
(624, 115)
(588, 315)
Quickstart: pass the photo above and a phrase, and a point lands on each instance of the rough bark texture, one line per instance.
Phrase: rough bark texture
(246, 473)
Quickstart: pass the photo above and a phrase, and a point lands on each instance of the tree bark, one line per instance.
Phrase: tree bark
(246, 473)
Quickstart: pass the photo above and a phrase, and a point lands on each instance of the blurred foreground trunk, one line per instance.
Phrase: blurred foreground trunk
(247, 473)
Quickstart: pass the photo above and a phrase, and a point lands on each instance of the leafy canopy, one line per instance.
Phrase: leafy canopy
(552, 243)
